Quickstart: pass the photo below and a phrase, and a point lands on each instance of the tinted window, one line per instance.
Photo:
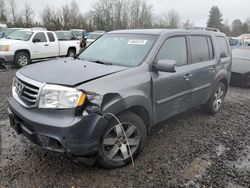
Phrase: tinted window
(199, 49)
(174, 49)
(41, 37)
(51, 37)
(224, 52)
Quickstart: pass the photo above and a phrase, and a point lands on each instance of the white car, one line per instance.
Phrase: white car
(25, 46)
(93, 36)
(246, 37)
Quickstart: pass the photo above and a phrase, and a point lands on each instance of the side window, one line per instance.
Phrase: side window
(199, 49)
(40, 37)
(51, 37)
(174, 49)
(224, 51)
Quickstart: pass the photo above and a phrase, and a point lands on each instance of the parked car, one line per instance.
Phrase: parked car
(241, 67)
(78, 33)
(24, 46)
(246, 37)
(103, 104)
(93, 36)
(236, 42)
(8, 31)
(65, 35)
(3, 28)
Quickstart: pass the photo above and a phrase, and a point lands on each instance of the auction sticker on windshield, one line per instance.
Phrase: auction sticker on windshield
(137, 42)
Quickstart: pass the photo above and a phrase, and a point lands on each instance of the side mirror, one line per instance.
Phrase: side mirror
(165, 66)
(36, 40)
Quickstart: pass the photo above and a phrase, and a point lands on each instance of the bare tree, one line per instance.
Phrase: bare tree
(28, 15)
(51, 19)
(13, 10)
(188, 24)
(3, 17)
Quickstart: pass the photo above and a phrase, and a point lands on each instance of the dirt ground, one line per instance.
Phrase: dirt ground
(190, 150)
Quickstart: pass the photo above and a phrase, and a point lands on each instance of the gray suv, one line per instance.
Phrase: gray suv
(101, 105)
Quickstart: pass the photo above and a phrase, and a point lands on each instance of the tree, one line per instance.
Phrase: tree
(173, 19)
(13, 10)
(237, 27)
(215, 18)
(3, 17)
(188, 24)
(51, 19)
(28, 15)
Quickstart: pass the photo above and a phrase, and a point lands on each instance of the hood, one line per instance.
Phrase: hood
(9, 41)
(241, 66)
(69, 72)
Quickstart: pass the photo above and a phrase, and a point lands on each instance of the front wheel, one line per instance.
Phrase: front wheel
(215, 102)
(71, 53)
(114, 148)
(21, 59)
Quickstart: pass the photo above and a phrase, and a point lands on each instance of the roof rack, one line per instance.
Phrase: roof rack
(204, 28)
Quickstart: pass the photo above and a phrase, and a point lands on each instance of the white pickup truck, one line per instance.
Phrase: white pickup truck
(24, 46)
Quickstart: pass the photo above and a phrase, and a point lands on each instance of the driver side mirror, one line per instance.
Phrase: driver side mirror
(165, 66)
(36, 40)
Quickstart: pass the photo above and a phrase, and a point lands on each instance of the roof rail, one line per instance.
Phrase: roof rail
(204, 28)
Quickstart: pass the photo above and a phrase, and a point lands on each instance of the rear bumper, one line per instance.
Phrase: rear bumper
(58, 130)
(6, 57)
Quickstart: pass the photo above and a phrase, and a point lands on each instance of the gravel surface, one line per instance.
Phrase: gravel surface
(190, 150)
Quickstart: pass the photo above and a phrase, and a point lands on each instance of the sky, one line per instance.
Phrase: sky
(195, 10)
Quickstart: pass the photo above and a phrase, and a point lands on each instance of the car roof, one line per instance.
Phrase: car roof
(165, 31)
(36, 30)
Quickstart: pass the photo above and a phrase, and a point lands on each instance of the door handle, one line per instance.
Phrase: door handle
(46, 45)
(187, 76)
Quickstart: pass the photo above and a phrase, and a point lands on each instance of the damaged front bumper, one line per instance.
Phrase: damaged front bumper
(59, 130)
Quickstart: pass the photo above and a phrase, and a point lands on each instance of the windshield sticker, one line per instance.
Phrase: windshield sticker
(137, 42)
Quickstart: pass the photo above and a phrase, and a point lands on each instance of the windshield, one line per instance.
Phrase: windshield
(20, 35)
(241, 54)
(9, 31)
(128, 50)
(64, 35)
(94, 36)
(77, 33)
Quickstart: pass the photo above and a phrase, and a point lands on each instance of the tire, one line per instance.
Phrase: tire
(22, 59)
(216, 100)
(113, 150)
(71, 53)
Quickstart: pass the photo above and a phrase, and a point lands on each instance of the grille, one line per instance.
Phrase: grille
(27, 92)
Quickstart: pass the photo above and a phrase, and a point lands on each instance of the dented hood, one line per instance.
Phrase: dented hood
(69, 72)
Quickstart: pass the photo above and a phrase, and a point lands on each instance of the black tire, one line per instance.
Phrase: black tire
(213, 105)
(71, 53)
(22, 59)
(133, 121)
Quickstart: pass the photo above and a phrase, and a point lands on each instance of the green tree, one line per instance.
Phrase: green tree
(237, 28)
(215, 18)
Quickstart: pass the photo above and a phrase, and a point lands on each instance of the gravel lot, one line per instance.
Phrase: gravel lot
(190, 150)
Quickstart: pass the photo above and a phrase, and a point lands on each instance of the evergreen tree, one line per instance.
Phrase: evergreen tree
(215, 18)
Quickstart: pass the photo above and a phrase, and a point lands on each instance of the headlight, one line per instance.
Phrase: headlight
(4, 48)
(60, 97)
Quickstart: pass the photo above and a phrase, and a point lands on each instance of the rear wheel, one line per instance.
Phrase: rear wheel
(71, 53)
(215, 102)
(21, 59)
(114, 148)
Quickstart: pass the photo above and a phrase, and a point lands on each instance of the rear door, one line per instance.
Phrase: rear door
(53, 45)
(203, 68)
(172, 91)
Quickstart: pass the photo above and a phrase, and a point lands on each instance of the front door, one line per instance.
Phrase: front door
(39, 46)
(172, 92)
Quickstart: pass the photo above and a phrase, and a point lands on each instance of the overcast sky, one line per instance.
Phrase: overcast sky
(195, 10)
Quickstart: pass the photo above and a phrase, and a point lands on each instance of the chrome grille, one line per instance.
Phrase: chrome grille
(26, 91)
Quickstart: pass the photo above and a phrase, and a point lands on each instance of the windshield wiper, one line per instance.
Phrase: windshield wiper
(100, 62)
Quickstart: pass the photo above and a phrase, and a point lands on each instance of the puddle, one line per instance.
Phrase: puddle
(197, 168)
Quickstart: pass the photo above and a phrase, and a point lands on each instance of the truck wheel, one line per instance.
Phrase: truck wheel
(71, 53)
(114, 150)
(215, 102)
(21, 59)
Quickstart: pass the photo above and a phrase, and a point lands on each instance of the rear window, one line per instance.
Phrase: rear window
(224, 51)
(200, 48)
(51, 37)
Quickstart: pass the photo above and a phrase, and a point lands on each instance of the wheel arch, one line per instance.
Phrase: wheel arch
(23, 50)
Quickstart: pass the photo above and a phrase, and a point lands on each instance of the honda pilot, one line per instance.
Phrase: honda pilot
(101, 105)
